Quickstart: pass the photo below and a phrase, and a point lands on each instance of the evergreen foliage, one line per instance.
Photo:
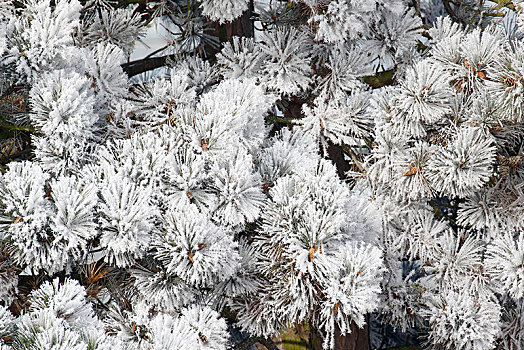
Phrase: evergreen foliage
(261, 182)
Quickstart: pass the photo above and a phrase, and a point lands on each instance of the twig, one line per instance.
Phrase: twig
(416, 3)
(282, 120)
(13, 127)
(450, 11)
(146, 64)
(157, 51)
(349, 151)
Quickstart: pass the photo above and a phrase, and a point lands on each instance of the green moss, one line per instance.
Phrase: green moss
(290, 340)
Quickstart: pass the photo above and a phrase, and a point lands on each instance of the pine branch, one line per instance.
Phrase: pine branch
(14, 155)
(242, 26)
(439, 213)
(416, 4)
(124, 3)
(283, 120)
(349, 151)
(146, 64)
(13, 127)
(450, 11)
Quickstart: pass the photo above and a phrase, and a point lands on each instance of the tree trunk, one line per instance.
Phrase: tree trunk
(315, 339)
(358, 339)
(241, 27)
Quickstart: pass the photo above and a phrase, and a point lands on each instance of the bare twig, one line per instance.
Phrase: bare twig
(416, 4)
(450, 11)
(283, 120)
(145, 64)
(349, 152)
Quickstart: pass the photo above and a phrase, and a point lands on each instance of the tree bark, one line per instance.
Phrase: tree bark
(315, 339)
(241, 27)
(144, 65)
(358, 339)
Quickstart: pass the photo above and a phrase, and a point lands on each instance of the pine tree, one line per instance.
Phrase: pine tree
(294, 163)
